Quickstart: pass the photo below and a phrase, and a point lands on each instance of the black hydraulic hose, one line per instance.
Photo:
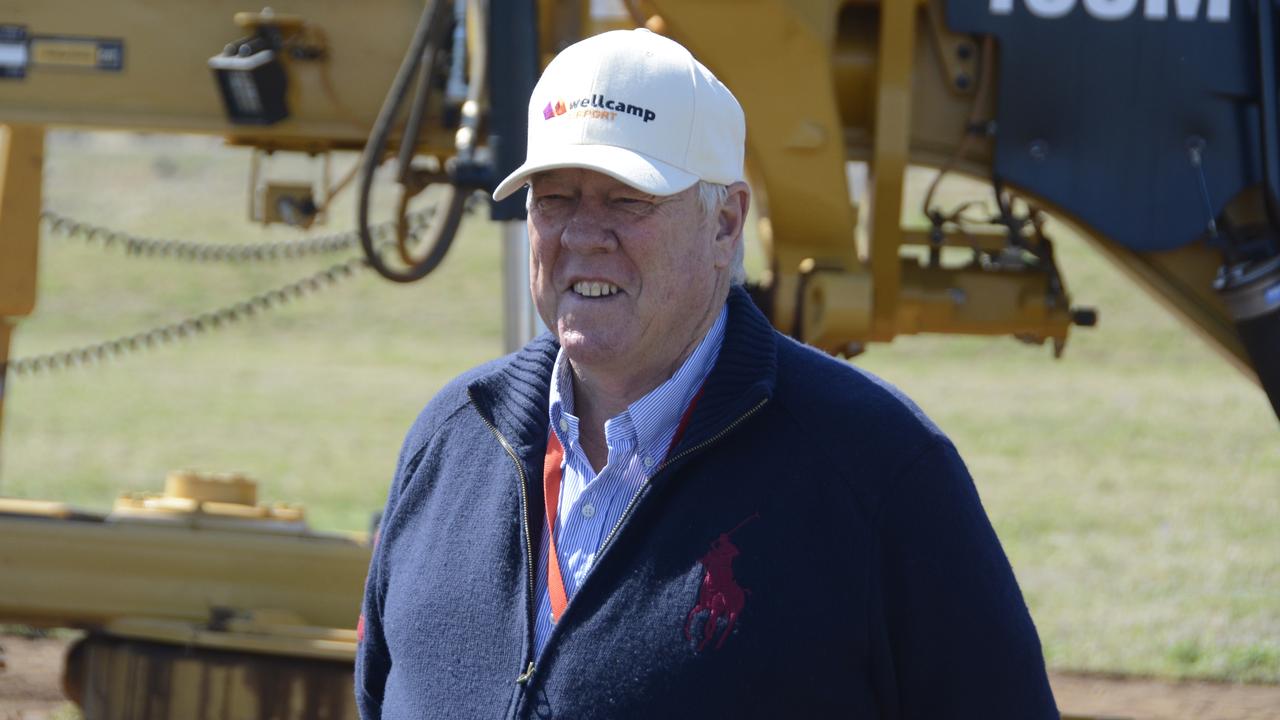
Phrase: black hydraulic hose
(420, 57)
(1270, 132)
(417, 111)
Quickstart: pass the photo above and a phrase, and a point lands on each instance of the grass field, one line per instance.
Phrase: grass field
(1135, 483)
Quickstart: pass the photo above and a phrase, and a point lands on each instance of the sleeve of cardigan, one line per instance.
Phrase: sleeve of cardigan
(373, 662)
(953, 634)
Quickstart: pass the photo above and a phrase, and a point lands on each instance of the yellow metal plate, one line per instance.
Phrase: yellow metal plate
(58, 52)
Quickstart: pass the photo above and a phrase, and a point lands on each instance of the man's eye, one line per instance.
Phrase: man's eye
(632, 203)
(550, 200)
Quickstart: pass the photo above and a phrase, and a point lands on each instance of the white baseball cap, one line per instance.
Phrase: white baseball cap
(638, 107)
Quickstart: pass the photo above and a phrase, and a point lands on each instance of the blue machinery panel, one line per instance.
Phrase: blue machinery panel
(1101, 102)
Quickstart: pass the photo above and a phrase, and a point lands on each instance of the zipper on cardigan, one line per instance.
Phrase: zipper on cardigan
(635, 500)
(626, 512)
(523, 677)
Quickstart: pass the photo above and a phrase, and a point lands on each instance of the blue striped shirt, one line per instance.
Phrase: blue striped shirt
(591, 503)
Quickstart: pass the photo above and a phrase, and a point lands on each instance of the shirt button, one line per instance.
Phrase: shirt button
(648, 461)
(564, 425)
(588, 511)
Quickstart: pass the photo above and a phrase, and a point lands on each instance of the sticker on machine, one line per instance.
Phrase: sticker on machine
(73, 52)
(13, 52)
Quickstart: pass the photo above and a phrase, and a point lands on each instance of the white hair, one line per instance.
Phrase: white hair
(711, 200)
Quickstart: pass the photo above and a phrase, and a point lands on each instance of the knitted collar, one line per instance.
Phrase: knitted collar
(514, 397)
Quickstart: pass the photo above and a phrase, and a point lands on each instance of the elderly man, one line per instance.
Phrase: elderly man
(664, 508)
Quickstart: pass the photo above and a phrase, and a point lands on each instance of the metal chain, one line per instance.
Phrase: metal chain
(197, 325)
(217, 252)
(218, 319)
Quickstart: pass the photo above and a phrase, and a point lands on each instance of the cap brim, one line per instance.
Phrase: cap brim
(627, 166)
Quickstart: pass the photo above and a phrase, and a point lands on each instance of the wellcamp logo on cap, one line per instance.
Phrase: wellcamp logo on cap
(596, 107)
(598, 104)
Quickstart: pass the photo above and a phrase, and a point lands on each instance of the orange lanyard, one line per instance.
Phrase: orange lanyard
(552, 475)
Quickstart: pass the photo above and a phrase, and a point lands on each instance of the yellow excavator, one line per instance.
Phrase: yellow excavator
(202, 603)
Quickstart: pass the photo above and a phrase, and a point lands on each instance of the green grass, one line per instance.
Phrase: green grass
(1135, 483)
(311, 400)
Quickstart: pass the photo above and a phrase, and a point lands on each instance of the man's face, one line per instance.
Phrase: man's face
(625, 279)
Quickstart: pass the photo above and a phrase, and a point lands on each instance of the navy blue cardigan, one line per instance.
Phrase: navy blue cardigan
(814, 547)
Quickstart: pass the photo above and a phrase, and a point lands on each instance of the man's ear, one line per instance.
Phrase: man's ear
(730, 221)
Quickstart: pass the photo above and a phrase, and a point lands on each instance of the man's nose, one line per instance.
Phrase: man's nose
(589, 231)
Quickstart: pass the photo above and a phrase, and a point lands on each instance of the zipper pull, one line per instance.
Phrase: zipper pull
(524, 677)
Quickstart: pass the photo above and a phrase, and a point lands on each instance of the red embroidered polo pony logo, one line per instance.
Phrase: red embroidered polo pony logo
(720, 595)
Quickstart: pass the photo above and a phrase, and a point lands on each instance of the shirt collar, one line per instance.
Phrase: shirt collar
(563, 422)
(655, 416)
